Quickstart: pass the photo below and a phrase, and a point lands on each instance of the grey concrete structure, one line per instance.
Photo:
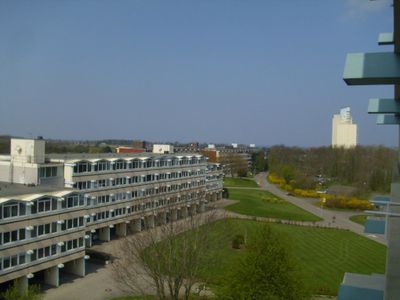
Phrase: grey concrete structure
(371, 69)
(45, 228)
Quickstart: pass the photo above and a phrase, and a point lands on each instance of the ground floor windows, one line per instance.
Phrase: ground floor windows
(8, 262)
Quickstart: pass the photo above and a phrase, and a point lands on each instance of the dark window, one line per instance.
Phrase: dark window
(22, 234)
(14, 235)
(6, 262)
(6, 237)
(21, 259)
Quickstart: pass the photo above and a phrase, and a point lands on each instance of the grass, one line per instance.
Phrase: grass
(239, 182)
(135, 298)
(264, 204)
(323, 254)
(360, 219)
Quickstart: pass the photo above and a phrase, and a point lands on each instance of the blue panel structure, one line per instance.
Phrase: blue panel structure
(375, 225)
(361, 287)
(356, 293)
(381, 199)
(372, 68)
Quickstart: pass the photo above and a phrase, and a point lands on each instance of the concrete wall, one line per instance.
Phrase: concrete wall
(27, 151)
(160, 148)
(5, 171)
(25, 173)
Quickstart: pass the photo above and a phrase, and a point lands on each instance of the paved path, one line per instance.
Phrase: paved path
(341, 217)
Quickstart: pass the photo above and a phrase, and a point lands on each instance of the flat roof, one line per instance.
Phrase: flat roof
(9, 190)
(98, 156)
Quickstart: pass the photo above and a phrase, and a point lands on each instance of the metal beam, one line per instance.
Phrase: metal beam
(372, 68)
(383, 106)
(387, 120)
(386, 38)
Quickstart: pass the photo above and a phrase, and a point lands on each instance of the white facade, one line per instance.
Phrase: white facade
(163, 148)
(50, 223)
(344, 131)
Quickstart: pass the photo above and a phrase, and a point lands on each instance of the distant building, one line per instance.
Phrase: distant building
(163, 148)
(122, 149)
(344, 132)
(139, 144)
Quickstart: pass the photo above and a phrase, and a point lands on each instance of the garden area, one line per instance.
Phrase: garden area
(323, 254)
(261, 203)
(359, 219)
(239, 182)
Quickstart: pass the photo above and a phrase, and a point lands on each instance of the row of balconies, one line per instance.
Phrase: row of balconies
(135, 184)
(136, 169)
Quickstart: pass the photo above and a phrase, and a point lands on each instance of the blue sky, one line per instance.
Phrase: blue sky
(265, 72)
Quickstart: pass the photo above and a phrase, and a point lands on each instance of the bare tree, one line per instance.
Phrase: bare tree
(234, 163)
(167, 260)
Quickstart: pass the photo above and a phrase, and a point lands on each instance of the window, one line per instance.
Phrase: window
(45, 172)
(73, 201)
(82, 167)
(6, 262)
(22, 259)
(10, 210)
(6, 237)
(120, 164)
(103, 166)
(14, 235)
(45, 204)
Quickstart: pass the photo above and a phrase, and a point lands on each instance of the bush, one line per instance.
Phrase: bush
(237, 241)
(265, 270)
(347, 203)
(225, 193)
(275, 179)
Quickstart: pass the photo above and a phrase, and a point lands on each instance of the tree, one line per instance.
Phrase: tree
(234, 164)
(288, 173)
(266, 270)
(260, 161)
(32, 292)
(167, 258)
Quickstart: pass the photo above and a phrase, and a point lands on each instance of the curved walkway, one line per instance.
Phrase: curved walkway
(341, 218)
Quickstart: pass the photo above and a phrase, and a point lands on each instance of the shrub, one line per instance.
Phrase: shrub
(347, 203)
(237, 241)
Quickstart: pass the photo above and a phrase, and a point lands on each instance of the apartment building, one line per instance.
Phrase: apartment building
(344, 131)
(70, 201)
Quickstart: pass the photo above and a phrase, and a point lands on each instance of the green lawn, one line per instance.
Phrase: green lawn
(360, 219)
(324, 254)
(239, 182)
(264, 204)
(135, 298)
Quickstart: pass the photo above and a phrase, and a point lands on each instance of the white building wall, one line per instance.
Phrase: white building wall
(344, 132)
(27, 151)
(4, 171)
(163, 148)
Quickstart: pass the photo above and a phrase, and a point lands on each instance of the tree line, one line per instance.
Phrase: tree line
(367, 168)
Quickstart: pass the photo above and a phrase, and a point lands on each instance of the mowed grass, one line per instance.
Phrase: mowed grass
(324, 255)
(264, 204)
(149, 297)
(239, 182)
(360, 219)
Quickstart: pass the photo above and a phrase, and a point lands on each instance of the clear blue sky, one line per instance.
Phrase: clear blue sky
(265, 72)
